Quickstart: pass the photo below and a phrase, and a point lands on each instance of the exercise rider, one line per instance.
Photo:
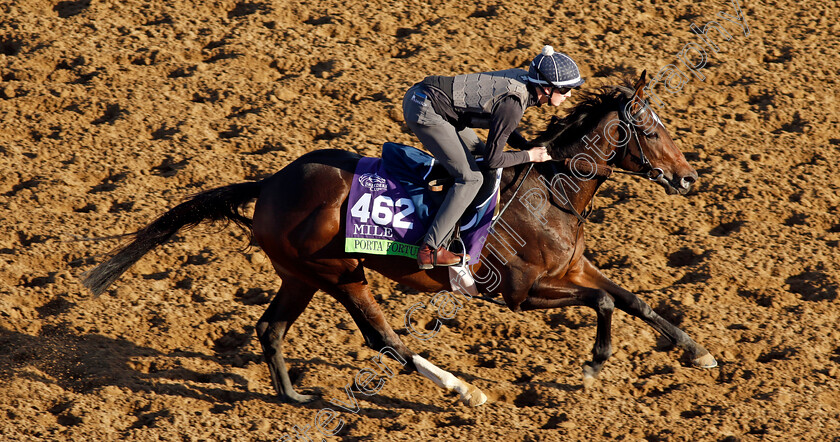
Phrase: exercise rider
(441, 111)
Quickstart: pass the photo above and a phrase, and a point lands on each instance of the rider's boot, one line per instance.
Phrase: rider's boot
(428, 257)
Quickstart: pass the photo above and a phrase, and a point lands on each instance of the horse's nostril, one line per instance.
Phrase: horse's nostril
(687, 181)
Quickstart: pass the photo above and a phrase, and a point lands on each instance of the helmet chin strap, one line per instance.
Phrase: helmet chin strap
(549, 84)
(549, 94)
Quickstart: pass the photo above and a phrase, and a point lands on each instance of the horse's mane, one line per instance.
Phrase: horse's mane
(562, 134)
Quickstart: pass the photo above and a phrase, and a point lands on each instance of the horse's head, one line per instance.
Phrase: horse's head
(645, 147)
(617, 126)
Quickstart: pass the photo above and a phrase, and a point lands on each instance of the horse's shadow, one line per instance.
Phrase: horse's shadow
(86, 362)
(82, 363)
(562, 386)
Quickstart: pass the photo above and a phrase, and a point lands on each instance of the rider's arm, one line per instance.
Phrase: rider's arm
(517, 141)
(506, 116)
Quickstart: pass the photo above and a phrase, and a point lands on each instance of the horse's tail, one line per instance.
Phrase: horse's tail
(219, 204)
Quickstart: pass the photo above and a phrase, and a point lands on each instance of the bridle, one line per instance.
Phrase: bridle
(647, 169)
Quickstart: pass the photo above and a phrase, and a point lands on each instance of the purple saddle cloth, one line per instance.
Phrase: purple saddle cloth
(390, 208)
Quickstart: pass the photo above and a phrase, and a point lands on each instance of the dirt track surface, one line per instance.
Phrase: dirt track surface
(113, 111)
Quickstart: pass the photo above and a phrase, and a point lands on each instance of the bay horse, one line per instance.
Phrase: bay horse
(299, 223)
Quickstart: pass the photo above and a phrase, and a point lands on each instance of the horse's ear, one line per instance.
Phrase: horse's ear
(640, 85)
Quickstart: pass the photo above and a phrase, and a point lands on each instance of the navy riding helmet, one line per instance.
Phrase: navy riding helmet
(554, 68)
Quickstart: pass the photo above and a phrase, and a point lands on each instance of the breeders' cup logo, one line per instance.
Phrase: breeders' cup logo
(373, 182)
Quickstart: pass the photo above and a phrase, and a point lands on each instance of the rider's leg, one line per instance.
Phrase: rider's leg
(444, 142)
(470, 140)
(460, 164)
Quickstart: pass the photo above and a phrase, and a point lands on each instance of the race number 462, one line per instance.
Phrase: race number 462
(383, 210)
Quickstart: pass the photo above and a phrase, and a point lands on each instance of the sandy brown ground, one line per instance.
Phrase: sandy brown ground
(113, 111)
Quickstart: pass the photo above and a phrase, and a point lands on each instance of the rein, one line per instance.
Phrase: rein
(499, 216)
(598, 170)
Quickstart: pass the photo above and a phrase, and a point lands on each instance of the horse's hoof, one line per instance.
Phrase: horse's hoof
(295, 398)
(705, 361)
(590, 378)
(589, 382)
(474, 396)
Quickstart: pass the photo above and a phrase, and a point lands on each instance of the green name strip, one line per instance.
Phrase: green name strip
(380, 247)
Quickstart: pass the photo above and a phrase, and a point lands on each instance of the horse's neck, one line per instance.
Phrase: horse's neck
(588, 157)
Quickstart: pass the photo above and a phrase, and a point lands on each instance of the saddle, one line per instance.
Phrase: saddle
(410, 164)
(427, 180)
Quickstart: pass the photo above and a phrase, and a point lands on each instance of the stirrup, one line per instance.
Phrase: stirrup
(457, 247)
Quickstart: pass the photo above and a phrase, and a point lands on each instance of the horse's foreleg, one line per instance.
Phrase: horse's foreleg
(379, 335)
(565, 293)
(632, 304)
(291, 300)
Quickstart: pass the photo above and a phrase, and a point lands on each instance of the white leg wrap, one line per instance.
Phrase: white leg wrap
(470, 395)
(440, 377)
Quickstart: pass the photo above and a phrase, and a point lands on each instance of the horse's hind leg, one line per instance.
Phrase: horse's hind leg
(630, 303)
(291, 300)
(379, 335)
